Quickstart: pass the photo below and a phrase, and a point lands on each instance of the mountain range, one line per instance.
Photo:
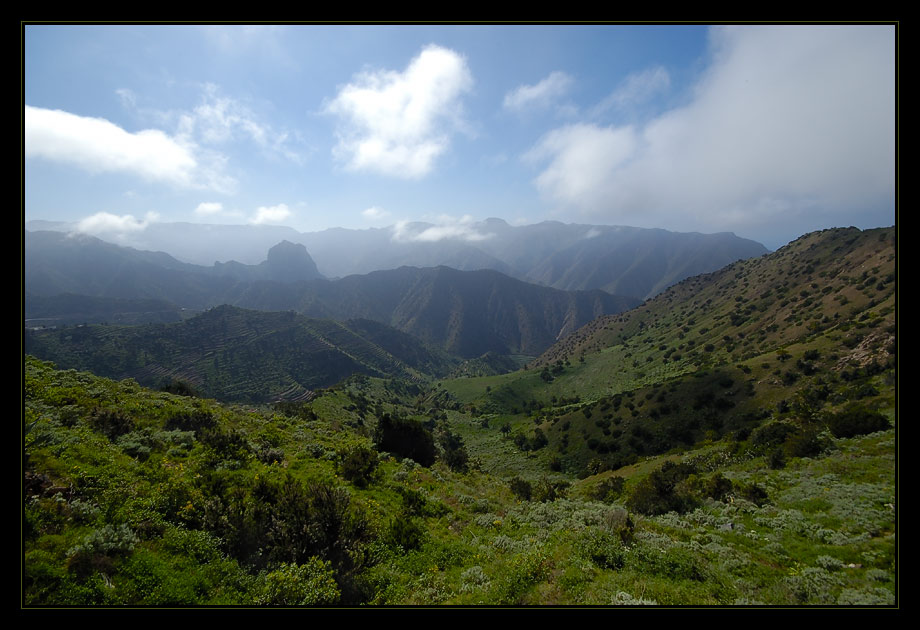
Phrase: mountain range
(467, 313)
(630, 261)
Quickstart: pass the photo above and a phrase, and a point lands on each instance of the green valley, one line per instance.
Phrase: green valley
(730, 441)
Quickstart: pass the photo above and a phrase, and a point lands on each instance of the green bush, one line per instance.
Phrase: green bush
(406, 533)
(308, 584)
(359, 465)
(856, 420)
(453, 450)
(112, 424)
(406, 438)
(601, 547)
(546, 490)
(521, 488)
(662, 492)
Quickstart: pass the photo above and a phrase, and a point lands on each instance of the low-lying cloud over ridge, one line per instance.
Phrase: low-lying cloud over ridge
(450, 228)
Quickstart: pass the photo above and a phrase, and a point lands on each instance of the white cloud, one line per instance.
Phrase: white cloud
(271, 214)
(449, 228)
(375, 213)
(542, 94)
(105, 223)
(636, 89)
(583, 161)
(98, 145)
(785, 119)
(399, 123)
(209, 207)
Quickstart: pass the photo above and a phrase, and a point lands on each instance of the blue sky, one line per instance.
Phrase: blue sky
(765, 131)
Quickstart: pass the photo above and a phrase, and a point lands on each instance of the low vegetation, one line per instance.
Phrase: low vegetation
(758, 471)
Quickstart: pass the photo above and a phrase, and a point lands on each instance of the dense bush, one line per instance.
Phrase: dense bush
(521, 488)
(359, 465)
(111, 423)
(453, 450)
(406, 533)
(856, 420)
(601, 547)
(196, 420)
(660, 492)
(406, 438)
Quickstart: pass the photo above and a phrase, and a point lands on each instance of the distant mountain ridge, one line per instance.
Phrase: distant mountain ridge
(465, 312)
(631, 261)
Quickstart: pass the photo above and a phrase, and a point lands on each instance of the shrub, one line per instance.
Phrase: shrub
(197, 421)
(95, 551)
(601, 547)
(856, 420)
(521, 488)
(454, 451)
(660, 492)
(406, 533)
(546, 490)
(772, 434)
(112, 424)
(608, 490)
(291, 584)
(359, 465)
(406, 438)
(717, 487)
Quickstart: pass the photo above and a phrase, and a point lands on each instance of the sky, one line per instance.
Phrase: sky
(767, 131)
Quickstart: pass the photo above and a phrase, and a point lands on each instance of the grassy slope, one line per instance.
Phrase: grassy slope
(825, 533)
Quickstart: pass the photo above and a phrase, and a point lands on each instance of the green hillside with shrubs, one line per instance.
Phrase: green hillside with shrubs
(729, 442)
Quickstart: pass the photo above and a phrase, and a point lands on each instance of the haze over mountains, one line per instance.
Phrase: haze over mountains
(630, 261)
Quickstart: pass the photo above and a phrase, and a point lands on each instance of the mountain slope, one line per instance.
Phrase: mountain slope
(467, 313)
(793, 337)
(234, 354)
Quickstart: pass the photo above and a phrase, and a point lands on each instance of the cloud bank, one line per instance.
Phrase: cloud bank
(785, 119)
(399, 123)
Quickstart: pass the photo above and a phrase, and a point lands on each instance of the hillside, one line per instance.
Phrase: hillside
(712, 356)
(234, 354)
(135, 497)
(729, 442)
